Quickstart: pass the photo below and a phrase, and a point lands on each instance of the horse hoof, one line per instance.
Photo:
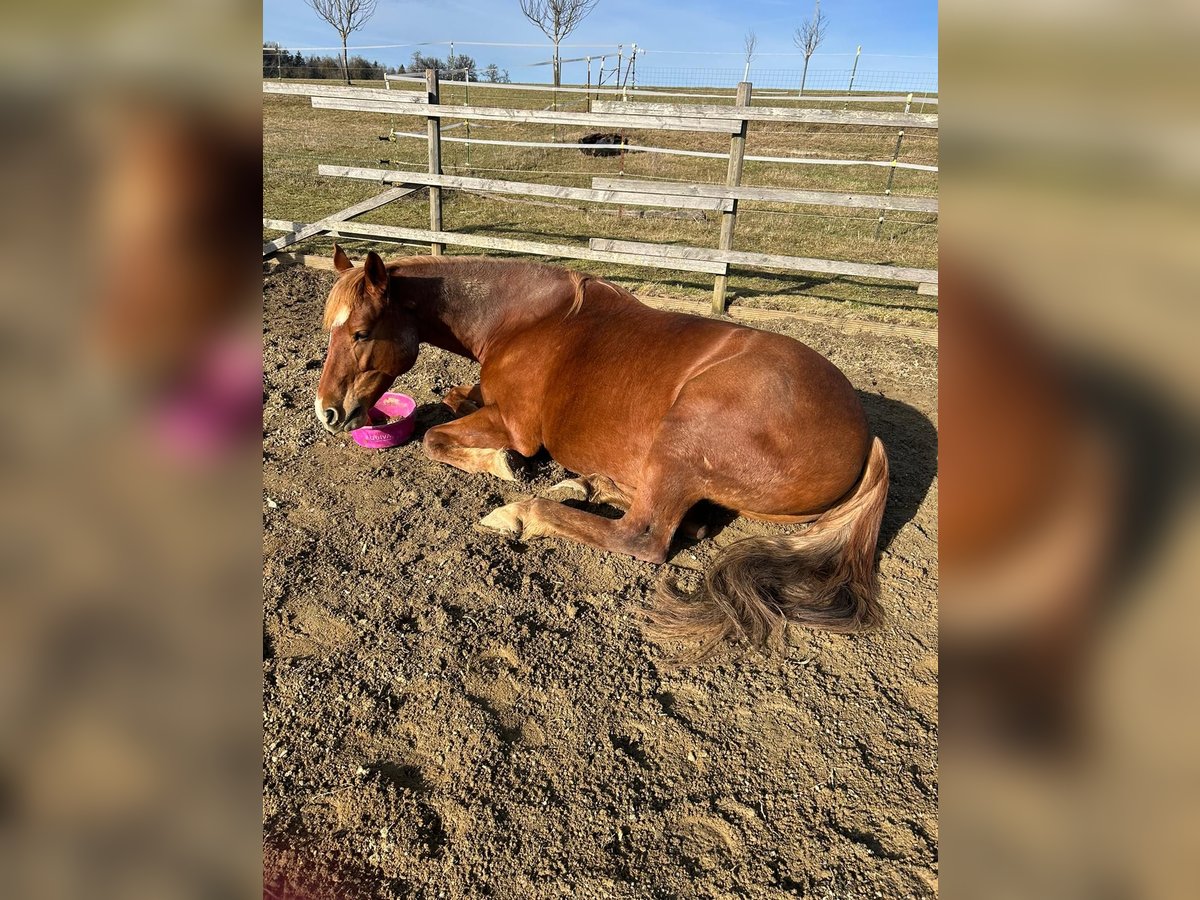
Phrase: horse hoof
(508, 465)
(504, 520)
(570, 489)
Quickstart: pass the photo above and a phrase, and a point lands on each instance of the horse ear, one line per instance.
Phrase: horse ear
(377, 274)
(341, 261)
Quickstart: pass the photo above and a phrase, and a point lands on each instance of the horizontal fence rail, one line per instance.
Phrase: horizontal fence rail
(547, 145)
(775, 195)
(671, 151)
(422, 237)
(773, 114)
(534, 248)
(536, 116)
(523, 188)
(767, 261)
(342, 92)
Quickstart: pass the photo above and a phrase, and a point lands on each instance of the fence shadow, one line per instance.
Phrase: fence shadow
(802, 288)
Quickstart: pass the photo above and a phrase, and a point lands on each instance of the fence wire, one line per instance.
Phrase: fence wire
(864, 80)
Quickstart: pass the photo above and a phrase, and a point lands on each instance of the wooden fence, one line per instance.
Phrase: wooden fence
(607, 115)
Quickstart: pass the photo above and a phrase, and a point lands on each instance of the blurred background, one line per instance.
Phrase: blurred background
(130, 667)
(130, 674)
(1068, 383)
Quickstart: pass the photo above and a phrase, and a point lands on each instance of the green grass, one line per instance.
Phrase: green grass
(297, 138)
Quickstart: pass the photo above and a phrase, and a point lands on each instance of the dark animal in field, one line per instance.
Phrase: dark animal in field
(607, 144)
(656, 411)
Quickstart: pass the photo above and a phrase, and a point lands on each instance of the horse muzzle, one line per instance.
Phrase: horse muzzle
(335, 418)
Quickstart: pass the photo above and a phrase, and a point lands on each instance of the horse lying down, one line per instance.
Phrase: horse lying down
(657, 411)
(607, 144)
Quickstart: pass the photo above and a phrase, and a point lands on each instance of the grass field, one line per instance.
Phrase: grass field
(297, 138)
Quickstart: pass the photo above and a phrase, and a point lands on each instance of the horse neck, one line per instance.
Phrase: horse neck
(462, 308)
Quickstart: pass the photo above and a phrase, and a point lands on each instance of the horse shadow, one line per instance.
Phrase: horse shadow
(430, 415)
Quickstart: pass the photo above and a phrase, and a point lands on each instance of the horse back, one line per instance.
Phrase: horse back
(594, 386)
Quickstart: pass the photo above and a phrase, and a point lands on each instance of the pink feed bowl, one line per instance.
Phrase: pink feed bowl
(388, 434)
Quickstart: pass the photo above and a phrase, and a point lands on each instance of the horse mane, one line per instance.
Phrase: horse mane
(347, 288)
(581, 281)
(428, 260)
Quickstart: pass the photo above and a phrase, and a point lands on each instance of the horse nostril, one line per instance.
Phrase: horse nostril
(354, 412)
(330, 416)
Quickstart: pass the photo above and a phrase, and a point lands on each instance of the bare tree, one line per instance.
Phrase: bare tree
(556, 19)
(808, 38)
(346, 17)
(750, 42)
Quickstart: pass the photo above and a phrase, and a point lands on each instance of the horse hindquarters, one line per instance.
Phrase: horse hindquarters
(823, 577)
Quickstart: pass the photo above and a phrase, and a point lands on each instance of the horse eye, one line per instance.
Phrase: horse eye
(360, 335)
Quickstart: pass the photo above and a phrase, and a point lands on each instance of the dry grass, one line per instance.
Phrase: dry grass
(297, 138)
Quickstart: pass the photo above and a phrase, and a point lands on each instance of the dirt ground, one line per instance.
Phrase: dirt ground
(450, 714)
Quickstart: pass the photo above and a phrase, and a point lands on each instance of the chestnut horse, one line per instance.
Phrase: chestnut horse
(656, 411)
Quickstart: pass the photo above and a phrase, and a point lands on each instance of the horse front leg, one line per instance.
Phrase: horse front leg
(644, 532)
(603, 490)
(593, 489)
(477, 442)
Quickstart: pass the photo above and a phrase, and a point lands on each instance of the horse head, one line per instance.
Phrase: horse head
(373, 340)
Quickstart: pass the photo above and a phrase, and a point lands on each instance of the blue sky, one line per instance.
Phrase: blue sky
(896, 36)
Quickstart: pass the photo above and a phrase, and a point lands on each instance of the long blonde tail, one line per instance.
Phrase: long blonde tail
(823, 577)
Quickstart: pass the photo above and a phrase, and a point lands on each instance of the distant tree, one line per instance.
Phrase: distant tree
(346, 17)
(749, 42)
(453, 69)
(556, 19)
(808, 38)
(460, 65)
(420, 62)
(496, 75)
(295, 65)
(364, 68)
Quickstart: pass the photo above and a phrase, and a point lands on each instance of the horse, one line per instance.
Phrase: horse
(607, 144)
(656, 411)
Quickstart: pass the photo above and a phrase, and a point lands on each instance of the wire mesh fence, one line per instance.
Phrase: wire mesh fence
(829, 80)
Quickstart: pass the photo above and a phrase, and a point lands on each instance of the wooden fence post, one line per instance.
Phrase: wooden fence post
(435, 161)
(737, 150)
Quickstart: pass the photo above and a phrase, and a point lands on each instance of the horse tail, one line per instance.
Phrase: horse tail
(823, 577)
